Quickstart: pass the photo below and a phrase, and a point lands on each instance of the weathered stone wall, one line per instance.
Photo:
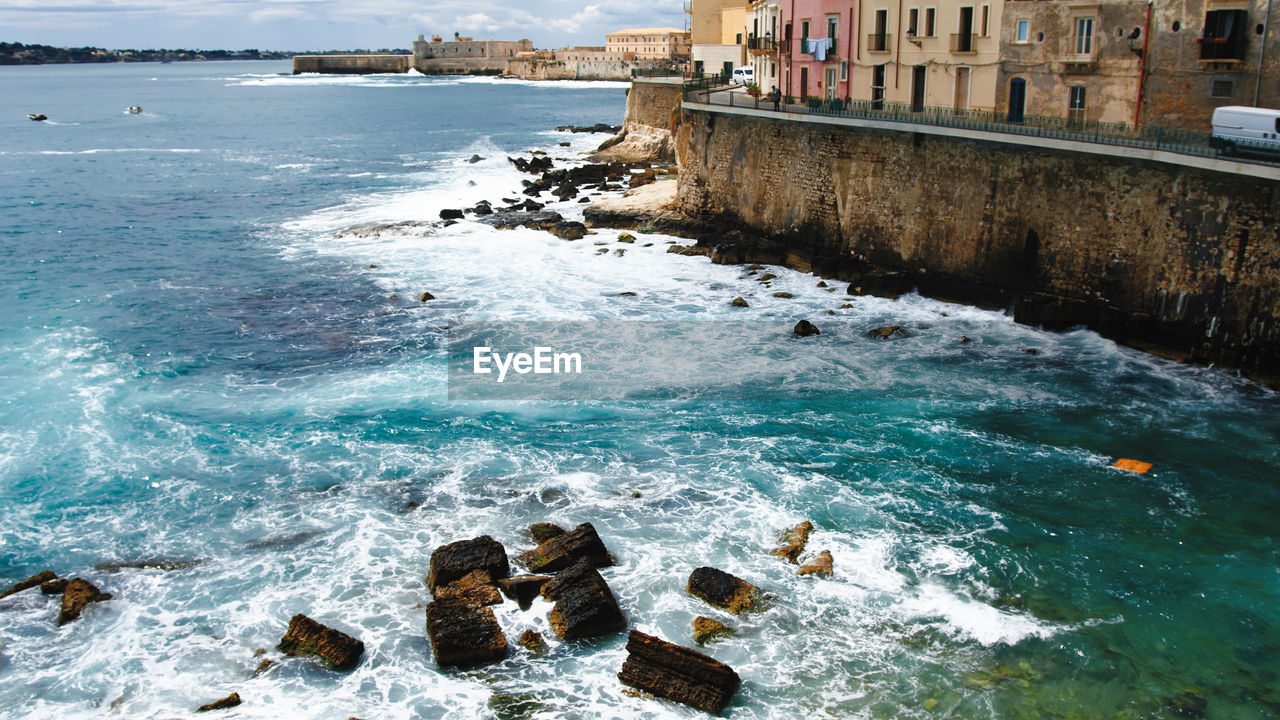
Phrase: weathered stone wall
(1171, 259)
(650, 102)
(582, 69)
(351, 64)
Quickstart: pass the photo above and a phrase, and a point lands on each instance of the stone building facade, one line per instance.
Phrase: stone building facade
(465, 55)
(1166, 64)
(718, 35)
(649, 44)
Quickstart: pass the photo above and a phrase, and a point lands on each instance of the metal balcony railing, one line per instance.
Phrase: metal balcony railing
(761, 46)
(964, 43)
(878, 42)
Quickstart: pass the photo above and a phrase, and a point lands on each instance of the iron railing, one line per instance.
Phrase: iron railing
(878, 42)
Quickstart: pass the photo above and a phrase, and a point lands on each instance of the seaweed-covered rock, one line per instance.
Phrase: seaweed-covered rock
(794, 540)
(886, 332)
(476, 588)
(523, 588)
(584, 605)
(563, 550)
(464, 635)
(544, 531)
(229, 701)
(723, 590)
(457, 559)
(706, 629)
(820, 566)
(308, 637)
(678, 673)
(569, 230)
(39, 578)
(75, 596)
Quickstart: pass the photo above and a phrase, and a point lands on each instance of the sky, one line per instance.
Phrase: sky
(321, 24)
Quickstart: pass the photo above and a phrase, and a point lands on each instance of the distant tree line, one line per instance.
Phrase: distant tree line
(20, 54)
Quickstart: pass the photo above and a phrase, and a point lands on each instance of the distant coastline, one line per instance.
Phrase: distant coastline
(13, 53)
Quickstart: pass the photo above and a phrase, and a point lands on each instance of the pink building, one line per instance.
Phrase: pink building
(817, 42)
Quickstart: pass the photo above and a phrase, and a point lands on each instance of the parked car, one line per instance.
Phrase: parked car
(744, 75)
(1246, 129)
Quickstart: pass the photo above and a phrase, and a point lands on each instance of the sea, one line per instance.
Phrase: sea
(222, 402)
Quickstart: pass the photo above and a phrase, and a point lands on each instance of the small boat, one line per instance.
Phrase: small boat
(135, 109)
(37, 116)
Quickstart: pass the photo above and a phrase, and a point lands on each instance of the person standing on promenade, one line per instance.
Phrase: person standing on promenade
(776, 94)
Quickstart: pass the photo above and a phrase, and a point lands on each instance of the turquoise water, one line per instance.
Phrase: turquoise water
(200, 364)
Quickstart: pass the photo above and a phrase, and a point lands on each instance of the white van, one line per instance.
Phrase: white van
(744, 75)
(1247, 129)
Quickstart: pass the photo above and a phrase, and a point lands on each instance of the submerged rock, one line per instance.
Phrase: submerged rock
(584, 604)
(739, 302)
(783, 295)
(475, 159)
(475, 588)
(523, 588)
(804, 328)
(160, 563)
(678, 673)
(723, 590)
(75, 596)
(597, 128)
(794, 541)
(229, 701)
(455, 560)
(483, 208)
(451, 214)
(39, 578)
(886, 332)
(464, 635)
(820, 566)
(706, 629)
(562, 550)
(425, 296)
(569, 230)
(308, 637)
(544, 531)
(535, 220)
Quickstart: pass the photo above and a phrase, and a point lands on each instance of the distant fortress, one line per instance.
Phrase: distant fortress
(624, 53)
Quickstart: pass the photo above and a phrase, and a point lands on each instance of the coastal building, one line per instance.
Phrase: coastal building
(649, 44)
(464, 55)
(941, 53)
(717, 35)
(1129, 61)
(763, 23)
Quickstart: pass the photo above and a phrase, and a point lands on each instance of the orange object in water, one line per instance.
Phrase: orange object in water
(1132, 465)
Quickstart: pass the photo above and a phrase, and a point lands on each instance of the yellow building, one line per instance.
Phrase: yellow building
(649, 44)
(718, 35)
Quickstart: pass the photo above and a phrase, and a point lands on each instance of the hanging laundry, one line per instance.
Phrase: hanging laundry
(818, 48)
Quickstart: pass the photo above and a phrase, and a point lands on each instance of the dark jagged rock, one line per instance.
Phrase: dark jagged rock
(678, 673)
(723, 590)
(455, 560)
(691, 250)
(886, 332)
(965, 339)
(54, 587)
(523, 588)
(584, 605)
(626, 238)
(597, 128)
(229, 701)
(1031, 351)
(643, 178)
(165, 564)
(263, 666)
(820, 566)
(308, 637)
(483, 208)
(376, 229)
(544, 531)
(562, 550)
(804, 328)
(536, 220)
(475, 588)
(566, 143)
(881, 283)
(425, 296)
(739, 302)
(75, 596)
(822, 283)
(532, 641)
(793, 542)
(39, 578)
(767, 277)
(783, 295)
(534, 165)
(464, 635)
(569, 230)
(451, 214)
(531, 206)
(475, 159)
(706, 629)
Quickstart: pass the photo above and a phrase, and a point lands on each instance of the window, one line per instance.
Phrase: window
(1224, 35)
(1084, 36)
(930, 17)
(913, 22)
(804, 32)
(986, 21)
(879, 40)
(739, 40)
(1222, 89)
(844, 70)
(1075, 102)
(1022, 31)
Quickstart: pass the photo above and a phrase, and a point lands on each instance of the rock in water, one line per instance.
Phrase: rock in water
(678, 673)
(569, 230)
(723, 590)
(706, 629)
(544, 531)
(804, 328)
(308, 637)
(229, 701)
(39, 578)
(886, 332)
(739, 302)
(455, 560)
(464, 635)
(75, 596)
(451, 214)
(424, 297)
(820, 566)
(532, 641)
(794, 541)
(562, 550)
(584, 605)
(524, 588)
(54, 587)
(474, 588)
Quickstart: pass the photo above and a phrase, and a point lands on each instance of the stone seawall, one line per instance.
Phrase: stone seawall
(351, 64)
(646, 130)
(1176, 260)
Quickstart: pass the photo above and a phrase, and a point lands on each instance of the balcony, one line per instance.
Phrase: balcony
(964, 44)
(762, 46)
(1079, 53)
(878, 42)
